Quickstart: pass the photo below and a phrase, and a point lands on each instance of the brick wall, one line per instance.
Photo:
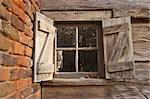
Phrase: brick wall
(16, 43)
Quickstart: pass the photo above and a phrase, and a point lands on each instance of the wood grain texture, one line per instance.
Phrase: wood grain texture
(92, 92)
(135, 8)
(77, 15)
(142, 70)
(43, 54)
(141, 42)
(118, 48)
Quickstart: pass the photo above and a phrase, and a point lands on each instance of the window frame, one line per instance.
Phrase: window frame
(77, 48)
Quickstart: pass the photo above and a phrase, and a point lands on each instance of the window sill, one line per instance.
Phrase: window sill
(77, 82)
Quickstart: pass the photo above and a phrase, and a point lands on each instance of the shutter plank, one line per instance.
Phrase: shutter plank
(121, 66)
(44, 48)
(118, 48)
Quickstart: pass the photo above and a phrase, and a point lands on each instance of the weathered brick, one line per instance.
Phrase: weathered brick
(25, 39)
(8, 4)
(24, 61)
(28, 21)
(16, 9)
(28, 31)
(21, 83)
(38, 94)
(31, 43)
(16, 22)
(5, 44)
(1, 28)
(20, 73)
(33, 96)
(34, 4)
(4, 74)
(28, 9)
(35, 88)
(19, 3)
(17, 48)
(22, 15)
(7, 59)
(26, 92)
(28, 51)
(10, 31)
(6, 88)
(4, 14)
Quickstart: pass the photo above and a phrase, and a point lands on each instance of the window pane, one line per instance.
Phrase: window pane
(66, 61)
(87, 36)
(66, 36)
(88, 61)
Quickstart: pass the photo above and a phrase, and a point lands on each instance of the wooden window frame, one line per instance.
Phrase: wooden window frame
(76, 48)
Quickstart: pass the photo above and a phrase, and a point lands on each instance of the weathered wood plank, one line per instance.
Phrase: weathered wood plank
(121, 67)
(142, 70)
(43, 54)
(91, 92)
(118, 48)
(76, 75)
(77, 15)
(141, 42)
(77, 82)
(135, 8)
(115, 28)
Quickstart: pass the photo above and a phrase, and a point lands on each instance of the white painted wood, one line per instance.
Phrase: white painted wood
(44, 48)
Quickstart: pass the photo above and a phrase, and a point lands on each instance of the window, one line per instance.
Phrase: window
(81, 47)
(76, 47)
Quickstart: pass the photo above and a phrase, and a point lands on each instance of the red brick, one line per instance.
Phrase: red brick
(7, 59)
(4, 74)
(10, 31)
(38, 94)
(28, 21)
(25, 39)
(8, 4)
(36, 87)
(5, 44)
(6, 88)
(33, 96)
(17, 48)
(28, 51)
(16, 22)
(24, 61)
(28, 31)
(34, 4)
(28, 9)
(4, 14)
(19, 3)
(16, 9)
(20, 73)
(22, 15)
(22, 83)
(26, 92)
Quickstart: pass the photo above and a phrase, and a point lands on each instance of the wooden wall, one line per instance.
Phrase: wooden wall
(136, 8)
(139, 10)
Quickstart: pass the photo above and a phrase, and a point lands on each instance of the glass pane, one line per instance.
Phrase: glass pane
(87, 36)
(88, 61)
(66, 61)
(66, 36)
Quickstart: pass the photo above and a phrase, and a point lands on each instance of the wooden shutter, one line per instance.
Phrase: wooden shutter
(44, 48)
(118, 51)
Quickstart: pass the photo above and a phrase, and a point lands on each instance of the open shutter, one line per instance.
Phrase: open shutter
(118, 51)
(44, 48)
